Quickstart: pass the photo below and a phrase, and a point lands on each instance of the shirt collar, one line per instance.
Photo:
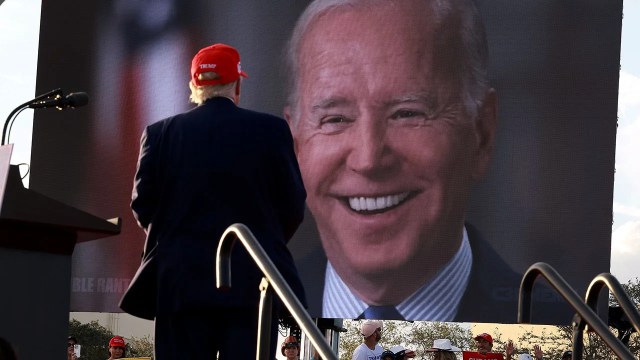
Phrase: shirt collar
(436, 300)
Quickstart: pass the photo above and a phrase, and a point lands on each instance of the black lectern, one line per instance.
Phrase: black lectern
(37, 238)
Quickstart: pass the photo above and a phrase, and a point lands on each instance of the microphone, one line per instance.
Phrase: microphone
(73, 100)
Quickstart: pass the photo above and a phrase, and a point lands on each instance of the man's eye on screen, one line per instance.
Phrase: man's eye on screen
(332, 124)
(411, 117)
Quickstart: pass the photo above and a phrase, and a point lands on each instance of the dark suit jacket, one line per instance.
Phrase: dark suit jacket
(198, 173)
(491, 294)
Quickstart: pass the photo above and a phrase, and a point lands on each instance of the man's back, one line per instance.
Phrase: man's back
(214, 166)
(198, 173)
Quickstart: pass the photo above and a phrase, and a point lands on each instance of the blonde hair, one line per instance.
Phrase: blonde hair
(200, 94)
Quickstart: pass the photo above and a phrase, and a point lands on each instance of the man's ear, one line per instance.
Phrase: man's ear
(290, 121)
(238, 91)
(485, 124)
(287, 116)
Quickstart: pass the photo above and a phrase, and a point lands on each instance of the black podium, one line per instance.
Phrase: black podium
(37, 237)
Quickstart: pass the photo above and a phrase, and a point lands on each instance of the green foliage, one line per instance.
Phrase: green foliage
(140, 347)
(632, 288)
(94, 339)
(350, 339)
(422, 334)
(554, 340)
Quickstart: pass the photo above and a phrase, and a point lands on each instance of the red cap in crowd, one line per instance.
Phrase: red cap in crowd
(116, 341)
(484, 336)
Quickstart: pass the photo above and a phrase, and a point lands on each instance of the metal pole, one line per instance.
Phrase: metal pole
(566, 291)
(264, 321)
(280, 286)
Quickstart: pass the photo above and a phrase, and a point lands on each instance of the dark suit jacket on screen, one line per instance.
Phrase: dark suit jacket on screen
(200, 172)
(491, 294)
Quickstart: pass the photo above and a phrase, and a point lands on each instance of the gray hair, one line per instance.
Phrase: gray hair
(470, 32)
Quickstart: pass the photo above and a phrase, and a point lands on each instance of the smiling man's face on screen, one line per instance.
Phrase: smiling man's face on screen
(387, 145)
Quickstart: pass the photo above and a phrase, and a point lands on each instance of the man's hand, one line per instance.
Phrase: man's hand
(509, 350)
(537, 351)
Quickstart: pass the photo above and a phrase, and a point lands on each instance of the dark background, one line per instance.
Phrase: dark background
(548, 195)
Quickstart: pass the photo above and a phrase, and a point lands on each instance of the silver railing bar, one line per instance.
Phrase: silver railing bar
(593, 292)
(264, 320)
(596, 286)
(583, 311)
(273, 276)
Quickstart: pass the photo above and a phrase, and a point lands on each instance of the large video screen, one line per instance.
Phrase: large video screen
(444, 150)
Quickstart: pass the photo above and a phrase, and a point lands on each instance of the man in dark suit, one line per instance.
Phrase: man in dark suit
(199, 172)
(491, 294)
(394, 120)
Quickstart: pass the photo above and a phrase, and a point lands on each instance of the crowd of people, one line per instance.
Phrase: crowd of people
(442, 349)
(484, 347)
(116, 348)
(369, 349)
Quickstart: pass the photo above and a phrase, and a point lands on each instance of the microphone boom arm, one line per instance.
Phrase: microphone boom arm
(56, 92)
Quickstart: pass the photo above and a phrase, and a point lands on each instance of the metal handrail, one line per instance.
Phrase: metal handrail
(273, 277)
(584, 312)
(629, 308)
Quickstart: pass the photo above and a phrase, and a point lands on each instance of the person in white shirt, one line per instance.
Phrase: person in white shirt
(371, 331)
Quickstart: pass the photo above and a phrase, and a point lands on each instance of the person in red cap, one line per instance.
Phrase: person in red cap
(216, 72)
(484, 343)
(117, 348)
(198, 173)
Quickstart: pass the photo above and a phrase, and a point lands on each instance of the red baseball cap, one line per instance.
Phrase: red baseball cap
(116, 341)
(484, 336)
(222, 59)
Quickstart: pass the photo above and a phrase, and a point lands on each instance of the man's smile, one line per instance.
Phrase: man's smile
(375, 204)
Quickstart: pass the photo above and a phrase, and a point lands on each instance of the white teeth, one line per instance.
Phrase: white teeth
(376, 203)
